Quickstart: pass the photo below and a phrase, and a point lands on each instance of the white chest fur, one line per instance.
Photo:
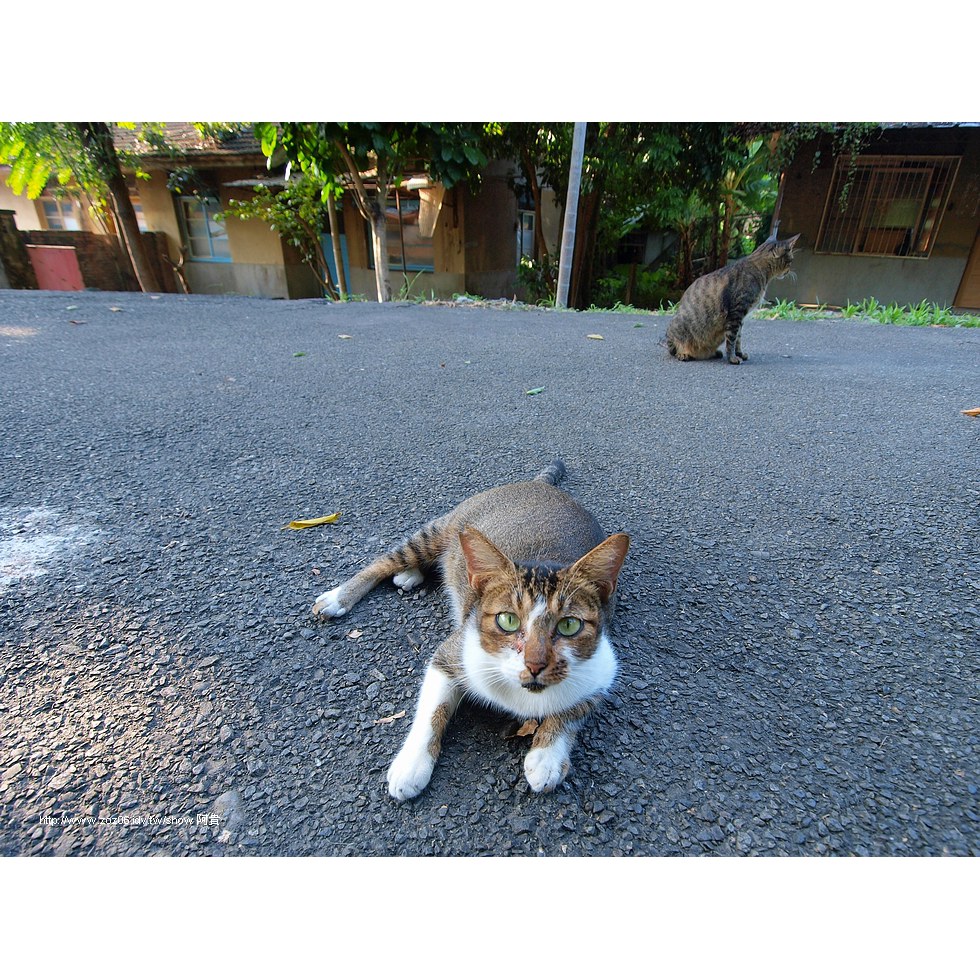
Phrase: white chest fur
(495, 679)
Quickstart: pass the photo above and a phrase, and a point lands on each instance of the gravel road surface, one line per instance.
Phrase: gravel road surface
(798, 615)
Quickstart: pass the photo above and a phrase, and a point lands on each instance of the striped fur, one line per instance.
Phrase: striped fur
(713, 307)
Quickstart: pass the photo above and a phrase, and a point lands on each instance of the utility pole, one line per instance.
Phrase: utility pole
(571, 216)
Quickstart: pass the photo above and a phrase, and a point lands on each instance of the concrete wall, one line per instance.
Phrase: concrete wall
(839, 279)
(23, 209)
(491, 235)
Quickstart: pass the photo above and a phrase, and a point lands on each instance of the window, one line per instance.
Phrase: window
(206, 237)
(408, 251)
(893, 205)
(525, 235)
(134, 196)
(60, 214)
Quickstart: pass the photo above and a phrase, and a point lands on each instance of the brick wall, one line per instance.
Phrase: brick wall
(102, 262)
(16, 264)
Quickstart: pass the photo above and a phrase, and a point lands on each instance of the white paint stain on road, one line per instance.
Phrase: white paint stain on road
(33, 540)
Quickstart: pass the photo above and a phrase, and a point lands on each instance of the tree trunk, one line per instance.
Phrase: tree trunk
(379, 241)
(588, 209)
(373, 211)
(97, 138)
(685, 258)
(715, 242)
(726, 231)
(338, 255)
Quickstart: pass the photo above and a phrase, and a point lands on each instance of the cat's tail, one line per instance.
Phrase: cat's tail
(553, 473)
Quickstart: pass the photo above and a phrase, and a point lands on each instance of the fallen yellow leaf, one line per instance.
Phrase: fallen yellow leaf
(312, 522)
(971, 411)
(594, 336)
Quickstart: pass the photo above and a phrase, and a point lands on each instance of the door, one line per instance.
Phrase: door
(56, 267)
(968, 295)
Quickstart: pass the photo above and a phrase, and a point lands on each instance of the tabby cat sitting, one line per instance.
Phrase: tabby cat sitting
(714, 305)
(531, 578)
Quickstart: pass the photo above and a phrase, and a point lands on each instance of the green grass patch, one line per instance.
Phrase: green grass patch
(923, 314)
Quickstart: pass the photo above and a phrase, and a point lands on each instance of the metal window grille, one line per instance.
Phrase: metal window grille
(891, 205)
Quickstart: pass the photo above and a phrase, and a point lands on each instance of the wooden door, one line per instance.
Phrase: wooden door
(968, 295)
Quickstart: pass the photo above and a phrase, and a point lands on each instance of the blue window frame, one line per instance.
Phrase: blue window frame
(206, 237)
(408, 251)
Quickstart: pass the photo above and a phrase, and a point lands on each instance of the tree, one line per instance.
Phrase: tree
(370, 159)
(81, 154)
(297, 212)
(542, 152)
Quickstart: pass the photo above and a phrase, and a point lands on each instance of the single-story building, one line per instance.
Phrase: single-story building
(474, 245)
(899, 223)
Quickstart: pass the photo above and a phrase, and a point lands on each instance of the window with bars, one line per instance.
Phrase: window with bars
(408, 251)
(891, 205)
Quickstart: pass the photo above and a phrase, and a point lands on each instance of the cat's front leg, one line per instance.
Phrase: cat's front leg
(733, 343)
(548, 761)
(411, 769)
(738, 345)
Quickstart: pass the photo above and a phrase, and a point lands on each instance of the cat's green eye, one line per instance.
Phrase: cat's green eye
(569, 626)
(509, 622)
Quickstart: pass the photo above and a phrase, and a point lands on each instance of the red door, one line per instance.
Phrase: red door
(56, 266)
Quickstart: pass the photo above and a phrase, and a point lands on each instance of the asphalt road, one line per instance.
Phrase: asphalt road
(797, 622)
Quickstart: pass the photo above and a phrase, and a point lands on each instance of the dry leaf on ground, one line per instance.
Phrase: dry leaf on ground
(528, 728)
(389, 719)
(971, 411)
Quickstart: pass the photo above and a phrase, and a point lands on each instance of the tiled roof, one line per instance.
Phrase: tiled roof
(187, 140)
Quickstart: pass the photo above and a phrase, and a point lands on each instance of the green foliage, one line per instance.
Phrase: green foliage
(296, 212)
(786, 309)
(450, 152)
(650, 291)
(537, 278)
(339, 155)
(923, 313)
(37, 152)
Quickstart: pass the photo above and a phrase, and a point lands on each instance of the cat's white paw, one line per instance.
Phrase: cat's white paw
(410, 773)
(408, 579)
(546, 768)
(328, 604)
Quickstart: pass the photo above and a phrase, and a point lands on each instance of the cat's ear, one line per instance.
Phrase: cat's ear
(602, 564)
(790, 243)
(483, 558)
